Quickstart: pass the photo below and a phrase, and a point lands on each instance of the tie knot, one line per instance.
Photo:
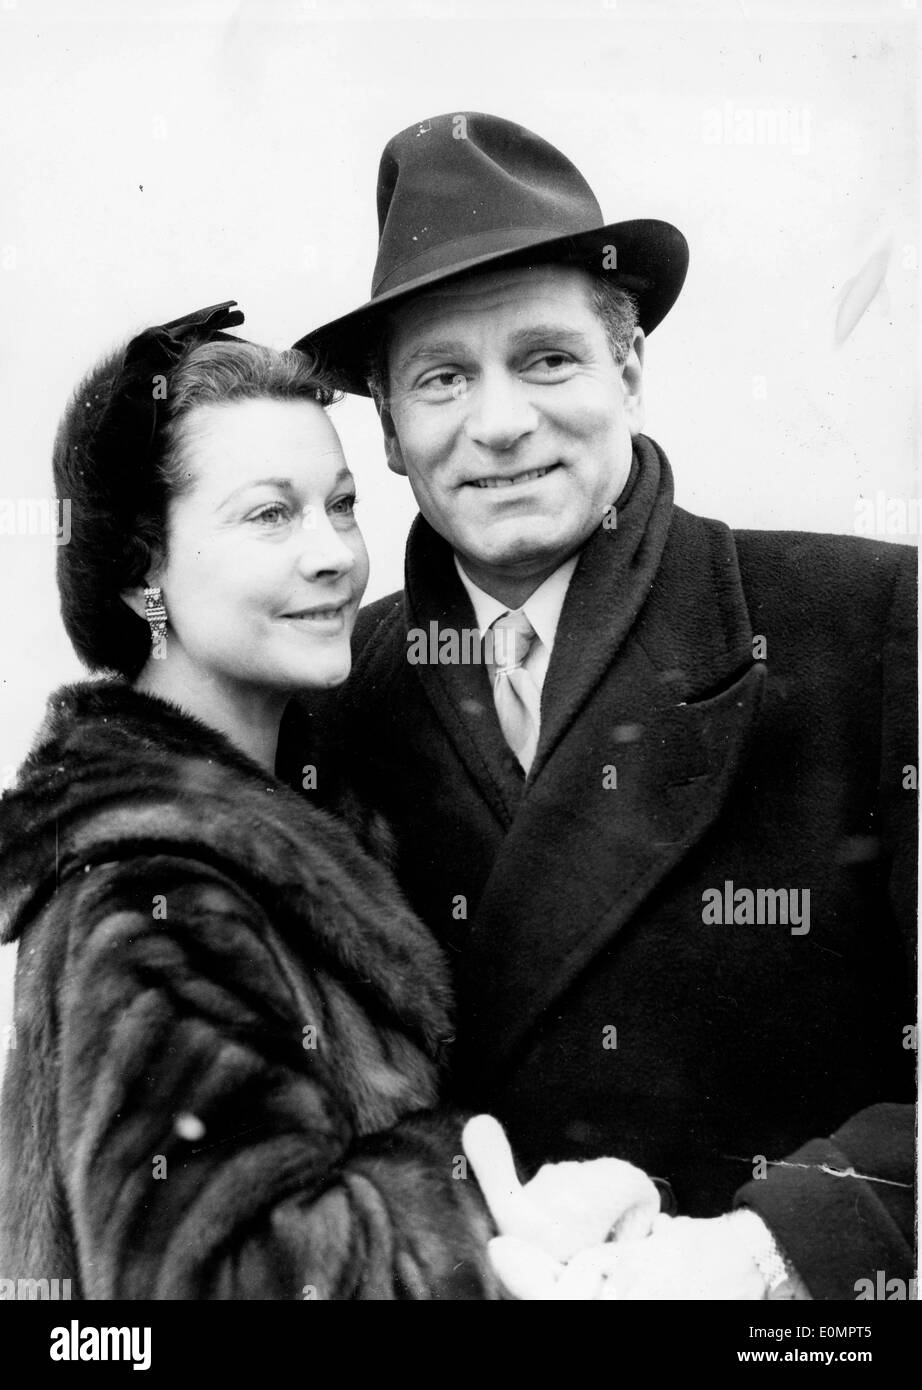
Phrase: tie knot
(513, 635)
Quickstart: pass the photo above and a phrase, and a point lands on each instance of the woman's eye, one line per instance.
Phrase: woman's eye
(344, 506)
(272, 515)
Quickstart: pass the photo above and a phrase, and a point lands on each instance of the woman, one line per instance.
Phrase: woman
(228, 1025)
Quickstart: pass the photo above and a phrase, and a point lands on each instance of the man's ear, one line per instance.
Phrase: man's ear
(392, 449)
(632, 383)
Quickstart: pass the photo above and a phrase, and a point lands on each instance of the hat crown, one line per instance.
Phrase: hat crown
(475, 183)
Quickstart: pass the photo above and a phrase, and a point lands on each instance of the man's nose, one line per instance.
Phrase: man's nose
(500, 411)
(323, 550)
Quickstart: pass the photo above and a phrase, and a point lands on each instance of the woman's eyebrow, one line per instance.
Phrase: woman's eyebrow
(282, 484)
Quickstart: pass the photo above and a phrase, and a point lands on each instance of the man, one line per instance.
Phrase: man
(665, 824)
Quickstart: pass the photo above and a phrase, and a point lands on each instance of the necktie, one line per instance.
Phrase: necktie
(517, 698)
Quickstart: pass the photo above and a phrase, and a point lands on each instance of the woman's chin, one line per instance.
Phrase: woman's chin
(309, 664)
(325, 673)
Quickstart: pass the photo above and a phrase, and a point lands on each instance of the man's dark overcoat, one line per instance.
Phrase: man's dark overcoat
(607, 1006)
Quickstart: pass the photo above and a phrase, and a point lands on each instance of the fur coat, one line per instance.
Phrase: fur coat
(228, 1033)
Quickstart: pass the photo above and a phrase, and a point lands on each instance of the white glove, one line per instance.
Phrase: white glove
(567, 1206)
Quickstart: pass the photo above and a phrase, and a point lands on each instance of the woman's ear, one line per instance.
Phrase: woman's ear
(134, 597)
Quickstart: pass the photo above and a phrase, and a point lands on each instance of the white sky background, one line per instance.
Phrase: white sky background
(159, 157)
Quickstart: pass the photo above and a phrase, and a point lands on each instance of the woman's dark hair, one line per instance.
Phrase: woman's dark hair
(118, 503)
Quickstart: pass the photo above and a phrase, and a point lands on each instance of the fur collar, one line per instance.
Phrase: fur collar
(115, 773)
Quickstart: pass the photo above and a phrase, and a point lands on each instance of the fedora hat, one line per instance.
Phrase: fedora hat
(466, 191)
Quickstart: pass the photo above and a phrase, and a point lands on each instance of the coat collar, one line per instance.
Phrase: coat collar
(116, 774)
(612, 580)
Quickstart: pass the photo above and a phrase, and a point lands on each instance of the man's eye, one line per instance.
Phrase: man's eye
(550, 363)
(450, 382)
(272, 515)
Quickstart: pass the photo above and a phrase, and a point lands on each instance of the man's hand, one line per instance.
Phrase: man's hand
(683, 1259)
(566, 1206)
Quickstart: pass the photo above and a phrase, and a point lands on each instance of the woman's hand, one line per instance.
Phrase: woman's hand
(566, 1206)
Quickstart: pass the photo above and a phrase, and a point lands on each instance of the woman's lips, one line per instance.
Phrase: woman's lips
(329, 619)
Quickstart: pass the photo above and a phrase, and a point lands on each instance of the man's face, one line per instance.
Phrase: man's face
(511, 418)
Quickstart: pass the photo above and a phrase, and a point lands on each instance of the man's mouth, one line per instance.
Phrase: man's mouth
(516, 479)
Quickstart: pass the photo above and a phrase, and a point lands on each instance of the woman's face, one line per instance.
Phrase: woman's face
(265, 564)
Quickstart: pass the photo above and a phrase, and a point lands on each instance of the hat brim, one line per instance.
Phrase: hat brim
(652, 261)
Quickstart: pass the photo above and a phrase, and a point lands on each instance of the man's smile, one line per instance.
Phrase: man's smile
(515, 479)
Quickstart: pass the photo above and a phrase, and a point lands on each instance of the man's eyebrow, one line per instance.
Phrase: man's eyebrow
(550, 333)
(450, 350)
(445, 348)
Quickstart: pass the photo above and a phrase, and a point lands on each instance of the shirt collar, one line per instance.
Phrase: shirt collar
(542, 608)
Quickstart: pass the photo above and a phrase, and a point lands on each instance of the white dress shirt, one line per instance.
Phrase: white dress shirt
(542, 610)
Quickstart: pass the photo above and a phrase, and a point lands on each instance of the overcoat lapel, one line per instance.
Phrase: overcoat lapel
(616, 571)
(460, 692)
(671, 714)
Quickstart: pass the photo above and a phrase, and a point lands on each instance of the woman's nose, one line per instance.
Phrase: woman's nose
(323, 549)
(500, 412)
